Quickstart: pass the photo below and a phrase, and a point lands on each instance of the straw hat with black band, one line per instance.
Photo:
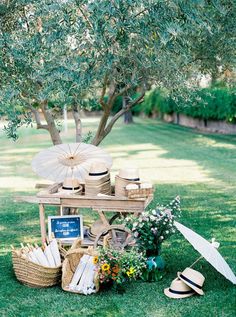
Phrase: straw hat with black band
(70, 186)
(193, 279)
(97, 171)
(178, 289)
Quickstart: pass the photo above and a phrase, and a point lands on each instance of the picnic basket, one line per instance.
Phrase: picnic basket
(71, 262)
(32, 274)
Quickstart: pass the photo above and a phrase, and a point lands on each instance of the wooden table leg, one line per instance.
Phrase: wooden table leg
(42, 222)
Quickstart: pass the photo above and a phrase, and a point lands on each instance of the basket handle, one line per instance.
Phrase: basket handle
(79, 250)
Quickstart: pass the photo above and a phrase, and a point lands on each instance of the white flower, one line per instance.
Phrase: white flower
(152, 218)
(214, 243)
(161, 238)
(135, 224)
(167, 231)
(136, 234)
(154, 212)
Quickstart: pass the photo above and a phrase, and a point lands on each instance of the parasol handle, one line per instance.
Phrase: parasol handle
(198, 259)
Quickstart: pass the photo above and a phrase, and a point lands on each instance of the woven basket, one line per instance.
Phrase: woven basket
(139, 193)
(34, 275)
(71, 262)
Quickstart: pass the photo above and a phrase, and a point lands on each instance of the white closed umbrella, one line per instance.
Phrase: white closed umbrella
(49, 256)
(41, 258)
(208, 251)
(69, 161)
(55, 252)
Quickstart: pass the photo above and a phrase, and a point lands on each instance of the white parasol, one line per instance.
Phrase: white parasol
(68, 161)
(41, 257)
(49, 256)
(55, 252)
(208, 251)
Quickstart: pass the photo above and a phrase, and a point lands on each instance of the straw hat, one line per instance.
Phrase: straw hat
(97, 170)
(131, 174)
(70, 186)
(178, 289)
(125, 177)
(193, 279)
(97, 227)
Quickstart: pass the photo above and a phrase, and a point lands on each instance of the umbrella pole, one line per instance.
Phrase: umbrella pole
(201, 257)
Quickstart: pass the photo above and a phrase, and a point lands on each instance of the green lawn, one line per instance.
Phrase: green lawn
(201, 168)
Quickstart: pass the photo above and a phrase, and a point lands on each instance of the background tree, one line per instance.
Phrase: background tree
(56, 53)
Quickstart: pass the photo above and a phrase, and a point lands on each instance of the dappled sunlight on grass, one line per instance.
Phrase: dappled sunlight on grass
(17, 183)
(154, 167)
(205, 141)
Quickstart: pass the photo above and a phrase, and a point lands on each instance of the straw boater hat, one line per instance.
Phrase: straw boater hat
(178, 289)
(97, 170)
(193, 279)
(130, 174)
(70, 186)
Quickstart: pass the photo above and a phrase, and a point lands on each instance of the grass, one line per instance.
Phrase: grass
(201, 168)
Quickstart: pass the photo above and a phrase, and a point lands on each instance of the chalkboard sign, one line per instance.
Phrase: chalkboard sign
(65, 227)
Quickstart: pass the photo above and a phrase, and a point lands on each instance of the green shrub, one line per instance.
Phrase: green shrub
(217, 103)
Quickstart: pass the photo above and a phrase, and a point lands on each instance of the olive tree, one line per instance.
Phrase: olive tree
(78, 53)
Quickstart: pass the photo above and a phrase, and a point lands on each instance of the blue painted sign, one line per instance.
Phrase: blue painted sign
(65, 227)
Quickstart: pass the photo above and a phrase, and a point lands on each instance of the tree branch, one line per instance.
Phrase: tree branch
(104, 87)
(85, 17)
(139, 13)
(121, 112)
(36, 113)
(120, 93)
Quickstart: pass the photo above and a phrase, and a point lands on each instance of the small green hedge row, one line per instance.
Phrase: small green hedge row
(208, 103)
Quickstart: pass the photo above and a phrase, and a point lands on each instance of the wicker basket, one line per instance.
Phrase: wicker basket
(139, 193)
(71, 262)
(34, 275)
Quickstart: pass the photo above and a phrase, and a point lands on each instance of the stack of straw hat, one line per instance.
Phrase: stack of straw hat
(125, 177)
(188, 283)
(95, 229)
(98, 180)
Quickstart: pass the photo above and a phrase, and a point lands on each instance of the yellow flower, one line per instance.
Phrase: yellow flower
(105, 267)
(95, 260)
(130, 272)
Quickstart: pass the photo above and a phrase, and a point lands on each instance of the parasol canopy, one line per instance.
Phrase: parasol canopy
(69, 161)
(208, 251)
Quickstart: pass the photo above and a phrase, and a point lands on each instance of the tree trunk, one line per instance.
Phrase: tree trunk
(101, 129)
(78, 124)
(128, 117)
(54, 133)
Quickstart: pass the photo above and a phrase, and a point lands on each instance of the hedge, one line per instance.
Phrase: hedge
(208, 103)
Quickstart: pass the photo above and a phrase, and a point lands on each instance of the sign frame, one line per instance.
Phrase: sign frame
(50, 231)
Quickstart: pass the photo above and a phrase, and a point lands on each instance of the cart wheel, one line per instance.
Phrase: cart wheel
(115, 236)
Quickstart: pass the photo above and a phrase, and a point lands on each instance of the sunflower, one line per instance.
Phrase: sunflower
(105, 267)
(95, 260)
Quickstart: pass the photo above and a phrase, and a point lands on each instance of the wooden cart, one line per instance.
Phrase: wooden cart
(100, 204)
